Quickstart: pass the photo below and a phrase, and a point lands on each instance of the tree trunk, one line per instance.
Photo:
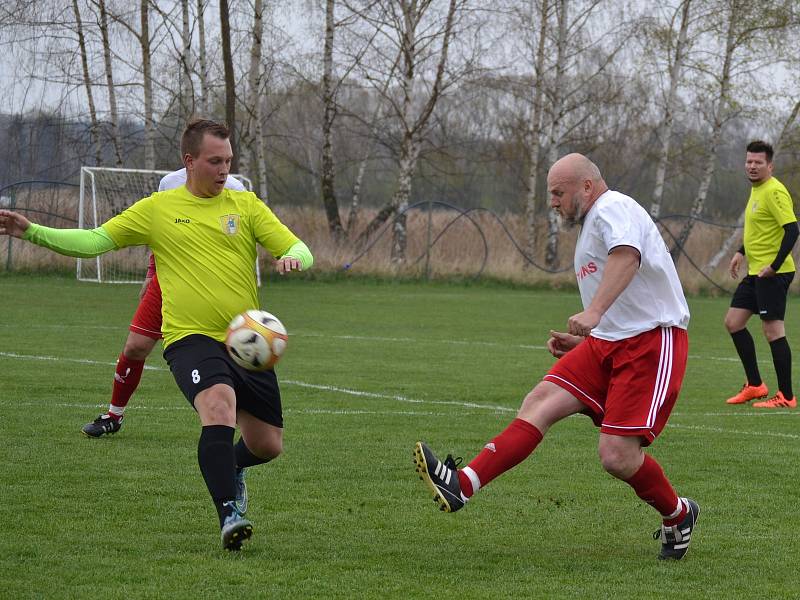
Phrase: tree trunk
(187, 97)
(87, 82)
(257, 161)
(720, 110)
(666, 129)
(410, 150)
(328, 172)
(112, 93)
(535, 133)
(551, 253)
(352, 218)
(230, 80)
(408, 162)
(149, 126)
(205, 93)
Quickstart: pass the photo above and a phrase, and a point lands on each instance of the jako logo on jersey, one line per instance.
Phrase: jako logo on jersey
(179, 220)
(585, 270)
(230, 224)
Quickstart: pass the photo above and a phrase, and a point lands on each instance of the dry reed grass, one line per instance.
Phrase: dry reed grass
(479, 245)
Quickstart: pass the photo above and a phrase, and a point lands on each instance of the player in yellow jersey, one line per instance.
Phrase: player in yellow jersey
(204, 240)
(770, 232)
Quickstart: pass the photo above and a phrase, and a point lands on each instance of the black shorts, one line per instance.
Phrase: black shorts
(197, 362)
(763, 296)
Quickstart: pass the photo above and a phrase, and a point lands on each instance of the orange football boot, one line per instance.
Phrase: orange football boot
(749, 392)
(777, 401)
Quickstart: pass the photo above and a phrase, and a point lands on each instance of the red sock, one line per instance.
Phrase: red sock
(505, 451)
(126, 380)
(652, 486)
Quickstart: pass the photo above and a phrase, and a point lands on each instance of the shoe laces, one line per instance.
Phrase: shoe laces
(452, 463)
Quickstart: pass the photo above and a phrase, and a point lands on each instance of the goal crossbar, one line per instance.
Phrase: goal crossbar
(104, 193)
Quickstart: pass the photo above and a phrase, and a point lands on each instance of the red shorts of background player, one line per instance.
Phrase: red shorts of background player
(630, 386)
(147, 320)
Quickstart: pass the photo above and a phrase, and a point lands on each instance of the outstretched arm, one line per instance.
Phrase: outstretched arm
(83, 243)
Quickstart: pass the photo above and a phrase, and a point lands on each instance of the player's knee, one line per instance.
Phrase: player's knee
(533, 400)
(732, 324)
(266, 448)
(617, 460)
(216, 406)
(138, 348)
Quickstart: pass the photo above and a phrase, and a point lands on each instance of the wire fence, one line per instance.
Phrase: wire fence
(443, 240)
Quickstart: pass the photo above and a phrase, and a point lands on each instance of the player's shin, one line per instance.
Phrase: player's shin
(217, 461)
(504, 452)
(651, 485)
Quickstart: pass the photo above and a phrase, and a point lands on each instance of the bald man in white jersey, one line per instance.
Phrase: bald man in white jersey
(621, 360)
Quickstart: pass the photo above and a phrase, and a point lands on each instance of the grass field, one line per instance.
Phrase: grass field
(372, 368)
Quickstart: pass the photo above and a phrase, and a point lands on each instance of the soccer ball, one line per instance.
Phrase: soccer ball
(256, 340)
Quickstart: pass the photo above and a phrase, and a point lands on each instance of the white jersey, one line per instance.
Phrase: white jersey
(654, 297)
(170, 181)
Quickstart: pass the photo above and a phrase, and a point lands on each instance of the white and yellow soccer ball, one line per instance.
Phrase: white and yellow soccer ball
(256, 340)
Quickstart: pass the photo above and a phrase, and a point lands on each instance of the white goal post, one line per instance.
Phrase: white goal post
(105, 192)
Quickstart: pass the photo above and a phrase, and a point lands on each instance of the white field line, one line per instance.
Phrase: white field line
(326, 388)
(398, 340)
(734, 431)
(398, 398)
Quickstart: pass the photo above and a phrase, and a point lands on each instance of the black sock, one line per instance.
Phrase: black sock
(746, 348)
(245, 458)
(782, 359)
(217, 464)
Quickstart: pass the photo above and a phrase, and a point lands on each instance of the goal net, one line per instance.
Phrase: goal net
(105, 192)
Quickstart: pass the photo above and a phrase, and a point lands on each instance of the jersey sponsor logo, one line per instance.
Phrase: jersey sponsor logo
(586, 270)
(179, 220)
(230, 224)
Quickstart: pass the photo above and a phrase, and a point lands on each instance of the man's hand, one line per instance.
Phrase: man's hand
(561, 343)
(736, 262)
(13, 224)
(582, 323)
(767, 272)
(287, 264)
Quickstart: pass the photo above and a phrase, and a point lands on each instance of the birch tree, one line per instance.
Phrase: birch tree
(111, 89)
(743, 24)
(555, 132)
(328, 177)
(87, 82)
(535, 124)
(403, 19)
(665, 130)
(205, 94)
(230, 80)
(253, 149)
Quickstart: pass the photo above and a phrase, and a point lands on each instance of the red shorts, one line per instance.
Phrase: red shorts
(147, 320)
(630, 386)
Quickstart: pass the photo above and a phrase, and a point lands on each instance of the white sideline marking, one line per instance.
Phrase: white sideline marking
(721, 430)
(399, 398)
(327, 388)
(343, 412)
(185, 406)
(401, 340)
